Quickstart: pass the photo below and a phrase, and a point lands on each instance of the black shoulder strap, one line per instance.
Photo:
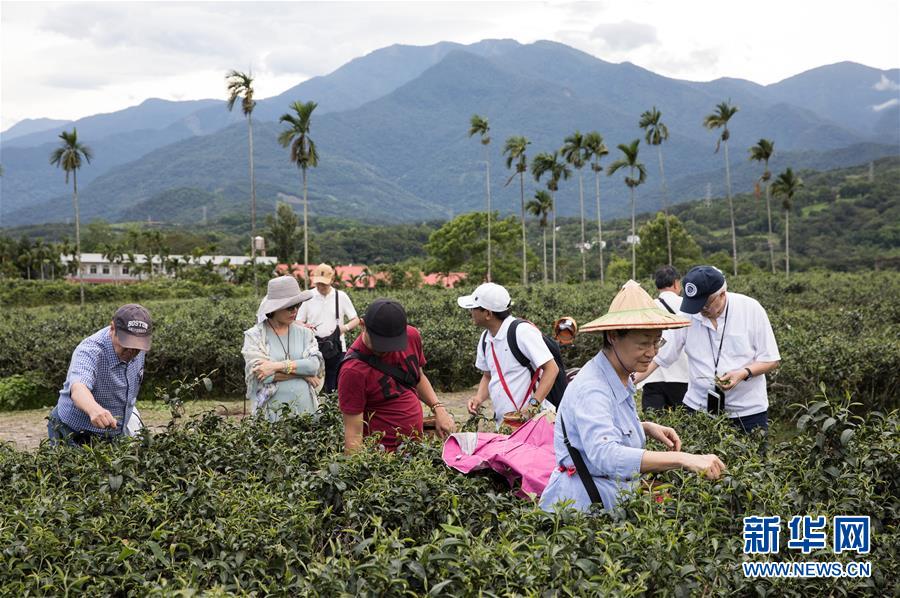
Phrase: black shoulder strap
(337, 316)
(666, 305)
(514, 345)
(405, 378)
(484, 343)
(581, 467)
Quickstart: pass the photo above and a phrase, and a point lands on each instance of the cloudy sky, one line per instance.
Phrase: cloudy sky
(72, 59)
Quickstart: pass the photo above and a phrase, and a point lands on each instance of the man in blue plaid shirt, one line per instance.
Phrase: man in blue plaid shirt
(103, 381)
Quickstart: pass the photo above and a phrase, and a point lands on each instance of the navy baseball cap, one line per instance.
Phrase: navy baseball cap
(386, 324)
(697, 285)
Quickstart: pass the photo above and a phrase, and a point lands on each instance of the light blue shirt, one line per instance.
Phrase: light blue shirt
(602, 422)
(114, 383)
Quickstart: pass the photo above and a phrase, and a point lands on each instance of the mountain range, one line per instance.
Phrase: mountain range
(391, 129)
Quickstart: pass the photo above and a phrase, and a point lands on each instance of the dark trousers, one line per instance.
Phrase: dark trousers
(331, 372)
(60, 433)
(663, 395)
(748, 423)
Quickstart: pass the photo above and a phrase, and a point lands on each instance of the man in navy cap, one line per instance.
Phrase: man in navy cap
(380, 381)
(103, 381)
(730, 347)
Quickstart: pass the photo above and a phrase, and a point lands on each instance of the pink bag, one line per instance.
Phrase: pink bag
(526, 454)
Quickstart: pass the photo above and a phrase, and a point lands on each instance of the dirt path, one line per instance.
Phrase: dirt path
(26, 429)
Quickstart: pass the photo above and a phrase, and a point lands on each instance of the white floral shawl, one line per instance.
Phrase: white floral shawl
(256, 350)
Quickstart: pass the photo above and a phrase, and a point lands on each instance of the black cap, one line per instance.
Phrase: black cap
(133, 327)
(386, 325)
(697, 285)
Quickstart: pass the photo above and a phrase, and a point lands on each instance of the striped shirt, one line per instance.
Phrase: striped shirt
(114, 383)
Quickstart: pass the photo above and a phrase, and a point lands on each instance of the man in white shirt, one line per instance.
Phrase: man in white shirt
(730, 347)
(665, 388)
(329, 314)
(512, 388)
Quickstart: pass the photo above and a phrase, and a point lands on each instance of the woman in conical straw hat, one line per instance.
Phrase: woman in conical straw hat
(597, 428)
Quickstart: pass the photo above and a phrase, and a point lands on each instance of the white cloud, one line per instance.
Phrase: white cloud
(626, 35)
(886, 105)
(886, 85)
(72, 59)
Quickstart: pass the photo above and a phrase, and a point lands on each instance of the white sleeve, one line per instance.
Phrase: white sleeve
(346, 307)
(764, 344)
(671, 351)
(303, 312)
(531, 343)
(480, 359)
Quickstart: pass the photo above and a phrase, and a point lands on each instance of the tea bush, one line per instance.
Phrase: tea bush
(25, 392)
(842, 330)
(258, 508)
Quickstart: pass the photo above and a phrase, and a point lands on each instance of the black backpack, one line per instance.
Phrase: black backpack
(559, 385)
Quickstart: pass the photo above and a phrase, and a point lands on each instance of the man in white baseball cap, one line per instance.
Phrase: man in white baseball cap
(512, 387)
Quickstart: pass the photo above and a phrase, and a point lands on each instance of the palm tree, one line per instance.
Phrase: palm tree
(595, 149)
(69, 156)
(716, 120)
(304, 155)
(541, 206)
(515, 153)
(547, 163)
(655, 133)
(629, 159)
(575, 153)
(786, 186)
(762, 152)
(478, 125)
(240, 85)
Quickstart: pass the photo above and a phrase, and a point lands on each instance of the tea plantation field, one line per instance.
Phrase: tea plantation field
(218, 507)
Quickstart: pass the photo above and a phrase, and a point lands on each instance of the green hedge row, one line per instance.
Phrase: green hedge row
(27, 293)
(840, 330)
(253, 509)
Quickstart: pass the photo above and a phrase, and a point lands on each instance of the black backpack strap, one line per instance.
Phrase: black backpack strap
(581, 467)
(404, 378)
(514, 346)
(666, 305)
(484, 343)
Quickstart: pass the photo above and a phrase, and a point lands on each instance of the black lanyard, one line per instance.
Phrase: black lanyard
(711, 344)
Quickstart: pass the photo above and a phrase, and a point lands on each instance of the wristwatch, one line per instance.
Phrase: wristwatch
(749, 373)
(533, 402)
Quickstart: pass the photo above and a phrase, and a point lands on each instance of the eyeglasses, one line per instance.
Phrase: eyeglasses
(294, 307)
(711, 301)
(657, 344)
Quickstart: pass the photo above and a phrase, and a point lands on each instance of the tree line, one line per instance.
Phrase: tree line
(579, 149)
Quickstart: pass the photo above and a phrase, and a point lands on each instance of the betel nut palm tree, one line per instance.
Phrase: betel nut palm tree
(786, 186)
(557, 170)
(69, 156)
(630, 161)
(304, 155)
(762, 152)
(541, 206)
(655, 132)
(595, 150)
(478, 125)
(719, 120)
(240, 85)
(514, 149)
(575, 153)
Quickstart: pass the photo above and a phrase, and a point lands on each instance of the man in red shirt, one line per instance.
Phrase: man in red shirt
(381, 381)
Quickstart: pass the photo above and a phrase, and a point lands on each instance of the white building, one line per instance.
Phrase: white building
(97, 268)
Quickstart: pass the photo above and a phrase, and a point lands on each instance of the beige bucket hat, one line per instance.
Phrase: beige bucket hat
(282, 291)
(634, 309)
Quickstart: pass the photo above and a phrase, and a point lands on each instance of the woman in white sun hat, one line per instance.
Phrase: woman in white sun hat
(598, 439)
(283, 367)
